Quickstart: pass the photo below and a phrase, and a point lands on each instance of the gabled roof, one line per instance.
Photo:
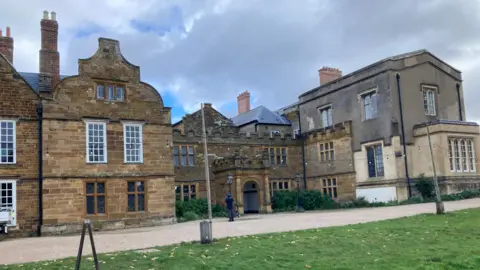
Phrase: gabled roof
(32, 79)
(261, 115)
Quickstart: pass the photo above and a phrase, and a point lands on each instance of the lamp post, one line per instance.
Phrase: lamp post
(298, 177)
(229, 182)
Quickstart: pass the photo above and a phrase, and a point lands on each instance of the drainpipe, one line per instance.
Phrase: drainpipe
(40, 168)
(403, 136)
(303, 149)
(459, 102)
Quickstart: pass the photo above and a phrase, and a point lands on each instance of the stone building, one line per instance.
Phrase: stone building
(361, 135)
(385, 147)
(259, 162)
(100, 145)
(103, 144)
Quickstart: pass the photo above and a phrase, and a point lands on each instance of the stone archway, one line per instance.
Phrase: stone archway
(251, 197)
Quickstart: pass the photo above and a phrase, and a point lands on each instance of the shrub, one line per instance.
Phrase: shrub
(425, 186)
(199, 207)
(189, 216)
(309, 200)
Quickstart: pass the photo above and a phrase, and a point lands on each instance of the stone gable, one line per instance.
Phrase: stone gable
(214, 122)
(19, 102)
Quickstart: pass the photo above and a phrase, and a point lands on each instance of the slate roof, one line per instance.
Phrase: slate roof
(32, 79)
(261, 115)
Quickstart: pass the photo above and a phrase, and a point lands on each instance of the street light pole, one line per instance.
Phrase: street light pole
(229, 182)
(206, 227)
(297, 179)
(438, 198)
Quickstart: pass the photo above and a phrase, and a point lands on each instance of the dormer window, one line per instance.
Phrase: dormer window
(110, 92)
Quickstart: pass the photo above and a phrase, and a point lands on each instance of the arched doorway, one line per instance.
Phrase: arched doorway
(250, 198)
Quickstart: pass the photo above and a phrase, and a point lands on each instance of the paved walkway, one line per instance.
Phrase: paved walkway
(49, 248)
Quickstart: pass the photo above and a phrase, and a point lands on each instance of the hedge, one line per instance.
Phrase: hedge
(314, 200)
(196, 209)
(283, 201)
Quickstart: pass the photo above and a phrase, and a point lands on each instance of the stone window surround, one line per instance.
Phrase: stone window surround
(140, 155)
(452, 157)
(329, 187)
(95, 195)
(275, 186)
(276, 154)
(326, 108)
(328, 151)
(96, 121)
(3, 184)
(190, 193)
(429, 88)
(106, 85)
(136, 193)
(14, 123)
(364, 148)
(361, 99)
(189, 155)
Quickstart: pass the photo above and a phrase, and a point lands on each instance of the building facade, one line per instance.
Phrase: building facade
(389, 103)
(102, 137)
(100, 145)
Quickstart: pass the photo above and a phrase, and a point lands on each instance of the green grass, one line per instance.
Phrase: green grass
(425, 242)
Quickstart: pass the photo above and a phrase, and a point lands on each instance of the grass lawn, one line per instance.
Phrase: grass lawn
(421, 242)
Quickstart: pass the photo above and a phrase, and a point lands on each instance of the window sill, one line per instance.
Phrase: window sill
(8, 164)
(378, 178)
(133, 163)
(137, 213)
(369, 119)
(93, 163)
(93, 216)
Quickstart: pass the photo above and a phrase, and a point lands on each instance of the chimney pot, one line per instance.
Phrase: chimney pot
(45, 15)
(8, 31)
(1, 34)
(53, 16)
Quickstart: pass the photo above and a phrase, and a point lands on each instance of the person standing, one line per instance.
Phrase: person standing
(229, 202)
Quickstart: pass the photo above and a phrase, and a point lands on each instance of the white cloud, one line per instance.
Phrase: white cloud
(219, 48)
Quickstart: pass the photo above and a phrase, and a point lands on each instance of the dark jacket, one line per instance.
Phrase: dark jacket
(229, 202)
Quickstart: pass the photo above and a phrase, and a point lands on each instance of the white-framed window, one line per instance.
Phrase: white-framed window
(296, 133)
(429, 99)
(375, 160)
(326, 116)
(8, 199)
(96, 142)
(8, 152)
(369, 101)
(133, 143)
(461, 155)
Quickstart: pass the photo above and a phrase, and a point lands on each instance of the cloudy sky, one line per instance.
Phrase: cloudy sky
(197, 51)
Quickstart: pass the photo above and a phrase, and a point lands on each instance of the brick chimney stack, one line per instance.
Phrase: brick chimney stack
(6, 45)
(243, 101)
(328, 74)
(49, 56)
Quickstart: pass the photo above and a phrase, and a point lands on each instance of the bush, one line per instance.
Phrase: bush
(466, 194)
(199, 207)
(189, 216)
(309, 199)
(425, 187)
